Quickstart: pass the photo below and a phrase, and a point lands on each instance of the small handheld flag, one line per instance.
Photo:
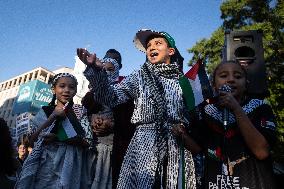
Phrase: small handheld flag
(66, 130)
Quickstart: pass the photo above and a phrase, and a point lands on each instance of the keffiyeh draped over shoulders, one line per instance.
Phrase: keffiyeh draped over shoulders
(158, 105)
(67, 158)
(135, 86)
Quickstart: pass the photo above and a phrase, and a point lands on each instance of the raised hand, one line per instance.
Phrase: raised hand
(178, 130)
(88, 58)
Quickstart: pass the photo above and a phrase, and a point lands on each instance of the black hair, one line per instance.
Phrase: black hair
(60, 75)
(52, 103)
(178, 59)
(112, 53)
(156, 36)
(23, 140)
(226, 62)
(90, 104)
(7, 161)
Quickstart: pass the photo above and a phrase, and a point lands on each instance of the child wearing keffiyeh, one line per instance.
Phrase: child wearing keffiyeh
(152, 158)
(101, 120)
(58, 159)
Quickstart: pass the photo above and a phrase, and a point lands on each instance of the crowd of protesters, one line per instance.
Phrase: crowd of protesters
(137, 131)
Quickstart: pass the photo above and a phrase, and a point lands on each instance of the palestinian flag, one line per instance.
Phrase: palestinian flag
(66, 131)
(70, 127)
(196, 88)
(195, 85)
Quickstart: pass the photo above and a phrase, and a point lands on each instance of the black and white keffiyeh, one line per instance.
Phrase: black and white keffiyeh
(32, 164)
(151, 73)
(112, 75)
(60, 75)
(152, 158)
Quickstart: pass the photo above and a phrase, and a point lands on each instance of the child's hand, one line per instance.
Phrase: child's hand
(227, 100)
(58, 112)
(88, 58)
(178, 130)
(103, 129)
(102, 125)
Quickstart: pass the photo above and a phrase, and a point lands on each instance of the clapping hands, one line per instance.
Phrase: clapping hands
(102, 125)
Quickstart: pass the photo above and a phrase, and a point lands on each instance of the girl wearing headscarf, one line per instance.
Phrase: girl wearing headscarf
(58, 159)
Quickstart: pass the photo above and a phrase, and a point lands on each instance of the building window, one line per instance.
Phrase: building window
(50, 80)
(14, 82)
(10, 102)
(30, 76)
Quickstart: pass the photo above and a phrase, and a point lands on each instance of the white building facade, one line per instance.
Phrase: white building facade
(8, 94)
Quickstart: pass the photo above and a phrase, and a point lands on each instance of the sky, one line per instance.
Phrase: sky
(46, 33)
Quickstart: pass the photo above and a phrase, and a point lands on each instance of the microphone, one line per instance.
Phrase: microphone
(225, 88)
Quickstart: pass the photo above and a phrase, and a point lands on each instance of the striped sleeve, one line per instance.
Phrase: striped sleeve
(111, 95)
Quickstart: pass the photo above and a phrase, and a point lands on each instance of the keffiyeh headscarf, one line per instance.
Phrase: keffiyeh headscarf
(112, 75)
(60, 75)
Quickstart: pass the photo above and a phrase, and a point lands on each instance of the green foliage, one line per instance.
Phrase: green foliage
(253, 15)
(210, 50)
(239, 13)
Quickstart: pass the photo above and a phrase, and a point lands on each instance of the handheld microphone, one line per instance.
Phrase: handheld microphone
(225, 88)
(154, 54)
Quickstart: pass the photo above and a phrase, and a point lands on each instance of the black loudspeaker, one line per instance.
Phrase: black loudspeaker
(246, 48)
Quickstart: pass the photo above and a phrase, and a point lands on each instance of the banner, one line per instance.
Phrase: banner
(32, 96)
(22, 123)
